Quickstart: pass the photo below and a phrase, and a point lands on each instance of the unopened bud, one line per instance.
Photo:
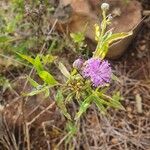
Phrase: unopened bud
(78, 63)
(105, 6)
(110, 17)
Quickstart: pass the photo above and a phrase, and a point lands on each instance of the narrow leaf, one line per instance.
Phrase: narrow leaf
(60, 102)
(37, 64)
(100, 106)
(47, 78)
(36, 91)
(28, 58)
(83, 107)
(97, 32)
(33, 83)
(64, 70)
(118, 36)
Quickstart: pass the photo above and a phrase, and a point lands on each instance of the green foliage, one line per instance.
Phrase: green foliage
(71, 130)
(78, 38)
(105, 39)
(47, 78)
(4, 83)
(60, 102)
(64, 70)
(84, 106)
(75, 89)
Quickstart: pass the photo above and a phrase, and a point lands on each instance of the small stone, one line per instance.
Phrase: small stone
(143, 47)
(114, 141)
(129, 109)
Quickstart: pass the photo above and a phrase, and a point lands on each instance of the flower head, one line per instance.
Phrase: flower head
(78, 63)
(98, 71)
(105, 6)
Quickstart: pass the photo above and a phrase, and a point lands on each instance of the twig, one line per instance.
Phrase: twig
(46, 109)
(45, 133)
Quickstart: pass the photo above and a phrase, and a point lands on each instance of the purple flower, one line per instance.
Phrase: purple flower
(78, 63)
(98, 71)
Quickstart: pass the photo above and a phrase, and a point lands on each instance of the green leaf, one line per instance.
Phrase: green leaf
(47, 78)
(116, 101)
(77, 37)
(107, 39)
(37, 64)
(99, 104)
(28, 58)
(102, 50)
(48, 59)
(83, 107)
(118, 36)
(4, 38)
(37, 91)
(97, 32)
(47, 93)
(107, 35)
(33, 83)
(64, 70)
(60, 102)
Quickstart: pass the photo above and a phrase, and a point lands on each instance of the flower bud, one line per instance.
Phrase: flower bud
(105, 6)
(110, 17)
(78, 63)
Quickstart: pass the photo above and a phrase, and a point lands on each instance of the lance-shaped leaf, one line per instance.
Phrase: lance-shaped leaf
(33, 82)
(60, 103)
(37, 91)
(99, 104)
(116, 101)
(83, 107)
(97, 32)
(26, 57)
(38, 64)
(64, 70)
(118, 36)
(102, 48)
(47, 78)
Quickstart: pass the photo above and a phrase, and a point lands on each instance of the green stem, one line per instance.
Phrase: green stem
(103, 27)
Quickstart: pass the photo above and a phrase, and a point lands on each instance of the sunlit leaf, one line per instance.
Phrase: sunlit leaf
(118, 36)
(77, 37)
(37, 64)
(48, 59)
(47, 78)
(97, 32)
(33, 83)
(28, 58)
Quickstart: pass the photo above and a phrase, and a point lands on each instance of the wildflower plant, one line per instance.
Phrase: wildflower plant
(89, 80)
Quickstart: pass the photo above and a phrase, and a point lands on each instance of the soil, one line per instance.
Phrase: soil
(119, 130)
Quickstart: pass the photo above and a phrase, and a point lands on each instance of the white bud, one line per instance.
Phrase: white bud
(110, 17)
(105, 6)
